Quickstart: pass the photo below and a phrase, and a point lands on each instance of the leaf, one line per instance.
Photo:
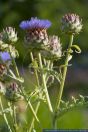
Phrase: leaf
(7, 110)
(62, 66)
(77, 48)
(65, 107)
(73, 99)
(70, 51)
(82, 98)
(34, 64)
(50, 80)
(16, 78)
(70, 57)
(54, 73)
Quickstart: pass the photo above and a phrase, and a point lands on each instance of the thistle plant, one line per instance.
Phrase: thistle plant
(44, 50)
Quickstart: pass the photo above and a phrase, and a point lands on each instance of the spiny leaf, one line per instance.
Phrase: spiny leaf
(74, 103)
(52, 73)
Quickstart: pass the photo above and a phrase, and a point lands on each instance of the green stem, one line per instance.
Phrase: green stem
(32, 123)
(44, 84)
(62, 82)
(15, 66)
(4, 116)
(38, 104)
(30, 106)
(29, 103)
(36, 74)
(9, 104)
(14, 118)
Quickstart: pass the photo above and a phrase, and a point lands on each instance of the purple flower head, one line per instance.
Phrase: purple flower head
(35, 23)
(5, 56)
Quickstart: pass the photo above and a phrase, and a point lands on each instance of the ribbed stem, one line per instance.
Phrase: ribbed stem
(4, 116)
(14, 118)
(44, 84)
(62, 82)
(38, 104)
(29, 103)
(33, 120)
(36, 74)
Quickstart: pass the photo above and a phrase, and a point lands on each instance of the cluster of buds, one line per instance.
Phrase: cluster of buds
(7, 38)
(37, 38)
(12, 92)
(71, 24)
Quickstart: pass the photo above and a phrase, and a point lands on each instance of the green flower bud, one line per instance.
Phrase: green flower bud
(12, 92)
(9, 36)
(55, 46)
(71, 24)
(54, 50)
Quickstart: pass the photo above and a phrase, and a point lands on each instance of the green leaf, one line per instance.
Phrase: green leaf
(54, 74)
(73, 99)
(82, 98)
(70, 57)
(65, 107)
(77, 48)
(16, 78)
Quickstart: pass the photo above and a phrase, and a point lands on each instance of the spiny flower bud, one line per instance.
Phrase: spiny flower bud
(55, 46)
(71, 24)
(9, 35)
(54, 50)
(12, 92)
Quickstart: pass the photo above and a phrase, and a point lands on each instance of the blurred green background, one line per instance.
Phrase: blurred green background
(12, 12)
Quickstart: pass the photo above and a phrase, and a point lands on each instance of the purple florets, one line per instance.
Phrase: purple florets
(5, 56)
(35, 23)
